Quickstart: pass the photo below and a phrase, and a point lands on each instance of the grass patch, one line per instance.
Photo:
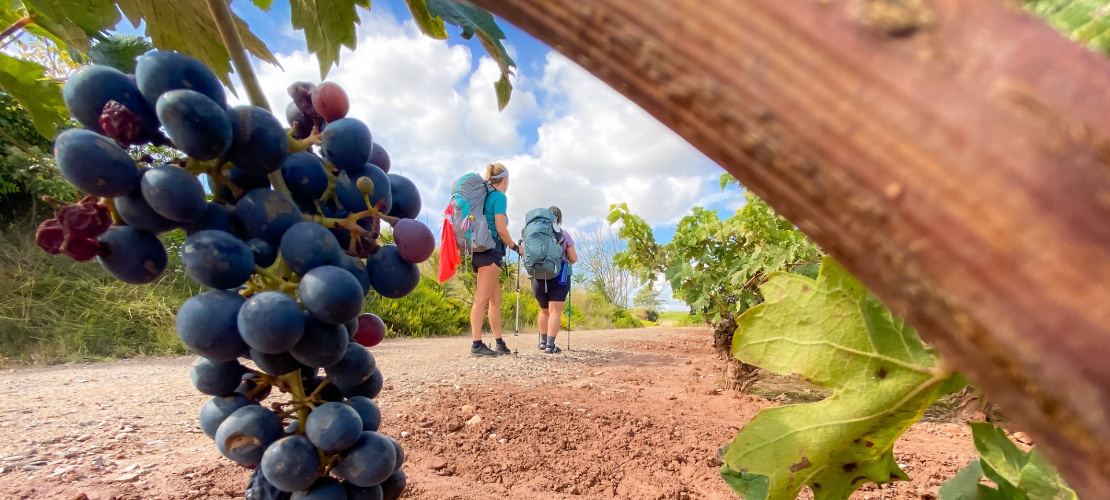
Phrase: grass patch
(679, 318)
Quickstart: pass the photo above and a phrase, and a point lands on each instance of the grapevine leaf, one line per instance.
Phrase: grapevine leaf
(964, 485)
(263, 4)
(748, 486)
(431, 25)
(186, 26)
(328, 25)
(475, 21)
(1018, 474)
(120, 51)
(92, 16)
(26, 82)
(835, 333)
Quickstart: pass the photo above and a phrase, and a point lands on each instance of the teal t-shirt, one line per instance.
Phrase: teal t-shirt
(496, 203)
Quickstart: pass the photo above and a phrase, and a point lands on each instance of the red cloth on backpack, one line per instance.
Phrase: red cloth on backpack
(448, 251)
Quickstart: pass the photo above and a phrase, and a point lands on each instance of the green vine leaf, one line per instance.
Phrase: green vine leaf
(473, 21)
(74, 21)
(187, 27)
(430, 24)
(328, 25)
(120, 51)
(263, 4)
(27, 83)
(964, 485)
(836, 334)
(1018, 474)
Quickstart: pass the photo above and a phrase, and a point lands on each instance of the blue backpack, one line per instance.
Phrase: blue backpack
(543, 246)
(468, 217)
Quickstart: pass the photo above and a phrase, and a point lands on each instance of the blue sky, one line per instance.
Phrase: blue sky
(567, 139)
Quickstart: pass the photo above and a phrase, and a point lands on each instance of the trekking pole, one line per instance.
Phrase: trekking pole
(516, 326)
(570, 288)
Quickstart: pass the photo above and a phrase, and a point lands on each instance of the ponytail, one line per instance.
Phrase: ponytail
(557, 213)
(495, 172)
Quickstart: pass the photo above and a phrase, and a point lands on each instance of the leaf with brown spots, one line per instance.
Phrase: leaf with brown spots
(833, 332)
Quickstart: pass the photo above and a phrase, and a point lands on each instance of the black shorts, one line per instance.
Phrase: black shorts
(483, 259)
(550, 291)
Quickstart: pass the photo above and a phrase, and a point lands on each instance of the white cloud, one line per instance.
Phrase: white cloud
(437, 116)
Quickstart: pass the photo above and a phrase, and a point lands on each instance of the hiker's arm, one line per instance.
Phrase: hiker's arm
(503, 231)
(572, 255)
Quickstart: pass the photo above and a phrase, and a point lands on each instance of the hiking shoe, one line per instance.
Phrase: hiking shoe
(502, 349)
(482, 352)
(553, 350)
(543, 346)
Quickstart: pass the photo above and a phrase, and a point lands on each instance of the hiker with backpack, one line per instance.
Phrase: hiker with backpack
(480, 225)
(548, 255)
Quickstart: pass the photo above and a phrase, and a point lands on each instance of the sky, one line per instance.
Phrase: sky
(567, 138)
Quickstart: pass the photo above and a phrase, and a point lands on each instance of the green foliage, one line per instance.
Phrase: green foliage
(1019, 475)
(838, 335)
(622, 318)
(473, 21)
(120, 51)
(26, 82)
(27, 170)
(425, 312)
(1085, 21)
(648, 298)
(328, 25)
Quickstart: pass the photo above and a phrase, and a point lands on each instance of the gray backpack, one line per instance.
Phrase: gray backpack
(468, 214)
(543, 246)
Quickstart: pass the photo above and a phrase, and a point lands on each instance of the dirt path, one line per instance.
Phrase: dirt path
(626, 414)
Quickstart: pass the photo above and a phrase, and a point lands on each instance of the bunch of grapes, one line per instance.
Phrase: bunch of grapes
(287, 247)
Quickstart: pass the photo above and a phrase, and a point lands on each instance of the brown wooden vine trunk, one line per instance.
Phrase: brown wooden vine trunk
(737, 375)
(951, 153)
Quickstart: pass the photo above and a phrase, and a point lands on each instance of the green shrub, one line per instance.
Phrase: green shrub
(624, 319)
(425, 312)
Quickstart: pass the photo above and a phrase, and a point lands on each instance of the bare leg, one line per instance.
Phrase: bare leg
(487, 284)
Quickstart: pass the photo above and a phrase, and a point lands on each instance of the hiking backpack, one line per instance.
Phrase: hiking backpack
(468, 216)
(543, 246)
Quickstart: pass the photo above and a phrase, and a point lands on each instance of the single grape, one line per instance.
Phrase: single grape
(301, 126)
(371, 460)
(217, 409)
(371, 330)
(207, 324)
(173, 193)
(293, 427)
(406, 198)
(197, 125)
(331, 294)
(217, 217)
(94, 164)
(137, 213)
(400, 453)
(271, 322)
(161, 71)
(307, 245)
(259, 144)
(216, 378)
(393, 487)
(333, 427)
(322, 345)
(370, 388)
(346, 143)
(258, 488)
(217, 259)
(92, 86)
(343, 237)
(356, 366)
(267, 214)
(380, 157)
(328, 392)
(278, 364)
(330, 101)
(244, 435)
(305, 176)
(391, 275)
(245, 181)
(132, 256)
(359, 493)
(325, 488)
(301, 92)
(357, 268)
(264, 253)
(351, 197)
(290, 463)
(368, 411)
(415, 242)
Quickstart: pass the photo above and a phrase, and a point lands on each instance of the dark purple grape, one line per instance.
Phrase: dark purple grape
(132, 256)
(331, 294)
(217, 217)
(217, 409)
(322, 345)
(357, 268)
(370, 388)
(333, 427)
(264, 253)
(346, 189)
(391, 275)
(207, 324)
(307, 245)
(346, 143)
(301, 126)
(290, 463)
(244, 435)
(94, 164)
(415, 242)
(216, 378)
(301, 92)
(393, 487)
(368, 411)
(400, 453)
(137, 213)
(278, 364)
(356, 366)
(259, 144)
(91, 87)
(380, 157)
(325, 488)
(370, 461)
(197, 125)
(328, 392)
(245, 181)
(162, 71)
(267, 214)
(173, 193)
(406, 198)
(217, 259)
(359, 493)
(258, 488)
(305, 176)
(271, 322)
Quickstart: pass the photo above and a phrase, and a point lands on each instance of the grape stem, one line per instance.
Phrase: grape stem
(302, 145)
(272, 281)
